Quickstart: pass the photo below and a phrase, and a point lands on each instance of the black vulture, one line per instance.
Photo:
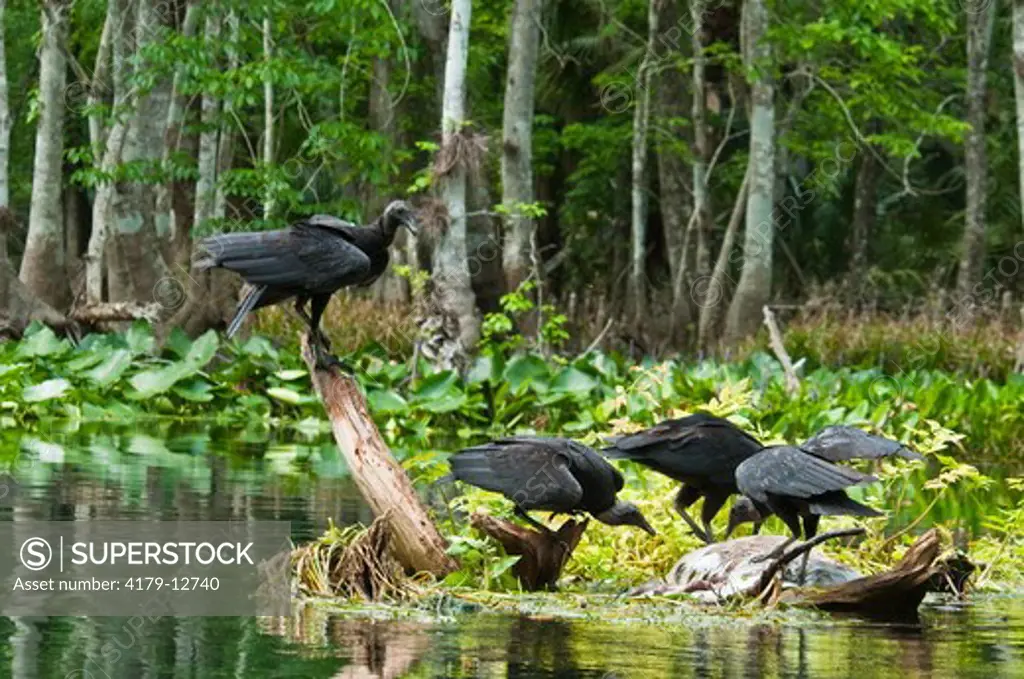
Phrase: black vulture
(701, 451)
(310, 261)
(548, 474)
(839, 443)
(795, 485)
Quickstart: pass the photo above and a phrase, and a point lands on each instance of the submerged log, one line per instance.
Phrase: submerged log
(733, 569)
(543, 555)
(382, 482)
(896, 593)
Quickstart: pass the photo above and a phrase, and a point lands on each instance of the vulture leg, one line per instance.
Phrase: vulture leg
(522, 514)
(687, 496)
(791, 518)
(324, 359)
(810, 530)
(713, 502)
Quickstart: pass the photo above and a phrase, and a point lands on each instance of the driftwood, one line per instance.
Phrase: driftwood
(779, 347)
(734, 570)
(893, 594)
(543, 555)
(381, 480)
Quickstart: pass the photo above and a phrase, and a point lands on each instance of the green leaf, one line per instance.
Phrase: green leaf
(178, 343)
(44, 391)
(42, 343)
(196, 390)
(140, 338)
(386, 401)
(574, 381)
(446, 403)
(111, 369)
(524, 369)
(288, 396)
(153, 382)
(203, 349)
(290, 375)
(484, 370)
(435, 385)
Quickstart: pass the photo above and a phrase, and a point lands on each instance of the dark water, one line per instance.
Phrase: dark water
(195, 472)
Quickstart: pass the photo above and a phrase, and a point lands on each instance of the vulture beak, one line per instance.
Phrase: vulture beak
(410, 223)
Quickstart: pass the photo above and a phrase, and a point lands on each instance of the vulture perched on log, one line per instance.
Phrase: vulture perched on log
(309, 261)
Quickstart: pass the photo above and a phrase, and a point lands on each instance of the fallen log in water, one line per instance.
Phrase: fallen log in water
(895, 593)
(732, 570)
(543, 555)
(382, 482)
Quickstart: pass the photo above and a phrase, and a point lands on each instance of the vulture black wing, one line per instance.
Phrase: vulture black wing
(790, 472)
(696, 446)
(532, 472)
(839, 443)
(304, 257)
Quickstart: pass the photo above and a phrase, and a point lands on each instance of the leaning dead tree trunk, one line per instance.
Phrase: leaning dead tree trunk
(542, 555)
(383, 484)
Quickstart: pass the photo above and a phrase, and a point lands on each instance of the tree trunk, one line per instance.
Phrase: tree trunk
(107, 145)
(754, 288)
(5, 118)
(980, 18)
(638, 214)
(452, 282)
(42, 267)
(135, 263)
(268, 111)
(701, 140)
(865, 210)
(226, 143)
(714, 294)
(167, 223)
(517, 141)
(674, 173)
(1018, 88)
(206, 184)
(381, 481)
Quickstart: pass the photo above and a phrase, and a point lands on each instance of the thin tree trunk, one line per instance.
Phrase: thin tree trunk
(674, 173)
(641, 120)
(268, 110)
(1018, 88)
(135, 263)
(865, 210)
(754, 288)
(980, 19)
(167, 222)
(226, 143)
(701, 139)
(517, 141)
(452, 280)
(99, 86)
(42, 267)
(5, 117)
(206, 184)
(108, 145)
(714, 294)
